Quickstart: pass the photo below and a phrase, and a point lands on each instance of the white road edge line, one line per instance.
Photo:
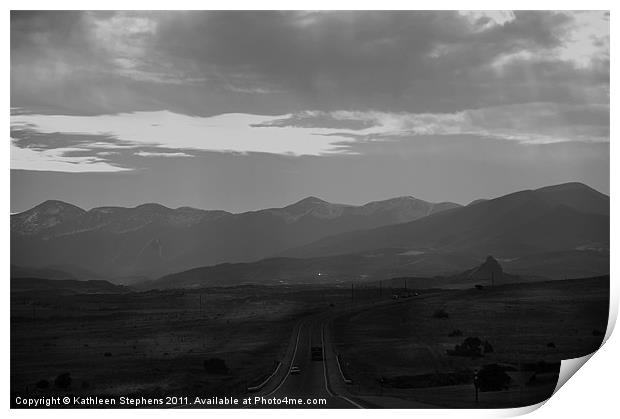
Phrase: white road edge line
(301, 325)
(325, 359)
(264, 383)
(325, 372)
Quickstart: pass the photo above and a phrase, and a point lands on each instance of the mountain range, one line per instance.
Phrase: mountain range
(151, 240)
(553, 232)
(559, 218)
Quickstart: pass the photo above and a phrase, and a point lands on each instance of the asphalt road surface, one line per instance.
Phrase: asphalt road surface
(312, 384)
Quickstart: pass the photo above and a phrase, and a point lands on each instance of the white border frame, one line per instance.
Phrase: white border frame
(592, 393)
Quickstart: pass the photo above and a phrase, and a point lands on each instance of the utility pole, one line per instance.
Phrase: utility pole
(476, 384)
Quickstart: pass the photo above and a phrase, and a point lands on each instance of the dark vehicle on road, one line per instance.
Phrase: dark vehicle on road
(317, 353)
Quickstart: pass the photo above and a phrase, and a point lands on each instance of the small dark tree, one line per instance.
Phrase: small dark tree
(63, 380)
(471, 346)
(472, 342)
(492, 377)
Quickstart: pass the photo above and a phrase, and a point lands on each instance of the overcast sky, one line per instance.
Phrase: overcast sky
(246, 110)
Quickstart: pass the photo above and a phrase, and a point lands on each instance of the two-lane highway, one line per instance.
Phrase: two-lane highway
(312, 383)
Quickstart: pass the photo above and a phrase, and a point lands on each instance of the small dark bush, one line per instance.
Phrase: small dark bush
(456, 332)
(441, 314)
(472, 342)
(43, 384)
(107, 354)
(492, 377)
(215, 366)
(550, 345)
(479, 287)
(488, 348)
(471, 346)
(63, 380)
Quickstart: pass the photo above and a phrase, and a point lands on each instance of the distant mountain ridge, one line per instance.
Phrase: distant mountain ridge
(58, 217)
(44, 216)
(557, 218)
(65, 286)
(341, 269)
(151, 239)
(429, 271)
(552, 232)
(55, 218)
(549, 233)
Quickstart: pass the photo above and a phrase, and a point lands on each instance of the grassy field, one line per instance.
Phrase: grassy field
(153, 343)
(400, 349)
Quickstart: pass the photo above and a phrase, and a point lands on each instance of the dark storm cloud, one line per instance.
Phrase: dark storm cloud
(87, 149)
(67, 30)
(418, 61)
(538, 122)
(315, 119)
(214, 62)
(27, 137)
